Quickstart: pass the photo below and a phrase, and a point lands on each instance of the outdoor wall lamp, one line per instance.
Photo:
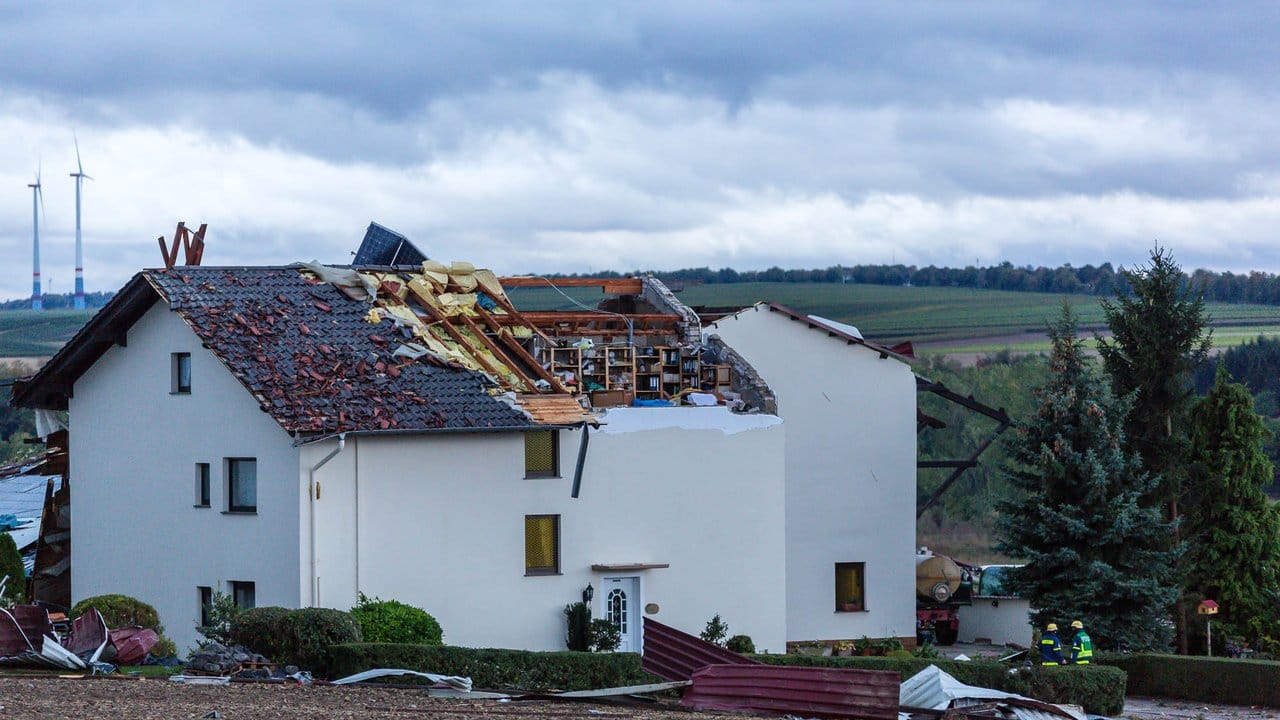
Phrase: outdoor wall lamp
(588, 593)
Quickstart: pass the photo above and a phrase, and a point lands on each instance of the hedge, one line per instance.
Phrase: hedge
(1202, 679)
(1098, 689)
(494, 669)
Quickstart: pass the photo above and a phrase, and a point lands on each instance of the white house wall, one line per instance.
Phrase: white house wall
(441, 525)
(137, 458)
(851, 472)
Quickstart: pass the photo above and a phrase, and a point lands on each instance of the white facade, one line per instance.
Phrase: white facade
(850, 472)
(134, 446)
(438, 521)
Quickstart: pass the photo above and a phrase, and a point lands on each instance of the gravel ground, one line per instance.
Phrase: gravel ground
(144, 699)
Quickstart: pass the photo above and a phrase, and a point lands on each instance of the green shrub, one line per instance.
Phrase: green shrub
(391, 621)
(15, 590)
(491, 668)
(1201, 679)
(1098, 689)
(741, 644)
(222, 614)
(605, 636)
(310, 631)
(123, 611)
(578, 633)
(263, 630)
(716, 631)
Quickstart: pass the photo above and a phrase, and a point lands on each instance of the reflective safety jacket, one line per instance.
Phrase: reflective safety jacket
(1081, 648)
(1050, 649)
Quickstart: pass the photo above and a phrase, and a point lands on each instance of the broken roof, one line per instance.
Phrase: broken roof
(376, 349)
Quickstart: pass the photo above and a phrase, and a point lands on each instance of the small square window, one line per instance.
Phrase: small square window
(206, 603)
(180, 372)
(541, 544)
(202, 485)
(242, 485)
(541, 454)
(850, 588)
(242, 593)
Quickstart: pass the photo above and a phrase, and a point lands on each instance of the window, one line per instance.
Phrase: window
(850, 589)
(242, 485)
(242, 594)
(541, 544)
(202, 485)
(206, 603)
(180, 372)
(541, 454)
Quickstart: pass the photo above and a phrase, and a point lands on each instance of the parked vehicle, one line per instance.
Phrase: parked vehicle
(943, 584)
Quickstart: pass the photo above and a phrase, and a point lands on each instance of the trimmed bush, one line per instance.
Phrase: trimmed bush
(741, 644)
(1098, 689)
(391, 621)
(15, 589)
(263, 630)
(310, 631)
(1201, 679)
(123, 611)
(494, 669)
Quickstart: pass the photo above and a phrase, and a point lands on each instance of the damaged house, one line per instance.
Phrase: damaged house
(298, 435)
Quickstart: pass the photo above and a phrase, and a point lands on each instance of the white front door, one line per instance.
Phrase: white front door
(622, 608)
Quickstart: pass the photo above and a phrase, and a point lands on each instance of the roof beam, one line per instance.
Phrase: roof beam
(613, 286)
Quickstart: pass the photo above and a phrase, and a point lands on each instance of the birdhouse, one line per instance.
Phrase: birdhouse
(1207, 607)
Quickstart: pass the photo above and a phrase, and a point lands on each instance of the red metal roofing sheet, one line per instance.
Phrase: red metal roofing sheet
(801, 691)
(674, 655)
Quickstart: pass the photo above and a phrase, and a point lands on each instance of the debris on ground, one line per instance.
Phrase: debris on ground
(933, 690)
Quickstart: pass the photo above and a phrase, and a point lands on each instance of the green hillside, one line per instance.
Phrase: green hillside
(891, 313)
(882, 312)
(30, 333)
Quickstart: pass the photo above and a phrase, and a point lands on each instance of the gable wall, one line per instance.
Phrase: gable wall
(851, 472)
(133, 451)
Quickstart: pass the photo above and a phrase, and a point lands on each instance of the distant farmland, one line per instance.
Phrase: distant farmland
(951, 319)
(28, 333)
(890, 313)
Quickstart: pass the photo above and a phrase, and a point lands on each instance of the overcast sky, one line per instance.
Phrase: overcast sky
(533, 137)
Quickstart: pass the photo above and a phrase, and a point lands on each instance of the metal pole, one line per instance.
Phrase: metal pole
(1209, 632)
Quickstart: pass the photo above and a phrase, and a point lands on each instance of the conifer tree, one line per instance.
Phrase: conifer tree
(1093, 551)
(1231, 529)
(1159, 336)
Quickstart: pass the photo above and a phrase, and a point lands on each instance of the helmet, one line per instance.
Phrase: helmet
(1077, 625)
(1051, 627)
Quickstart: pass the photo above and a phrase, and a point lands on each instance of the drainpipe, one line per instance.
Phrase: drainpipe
(311, 493)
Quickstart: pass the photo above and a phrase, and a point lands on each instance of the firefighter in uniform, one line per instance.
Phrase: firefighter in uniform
(1051, 646)
(1081, 645)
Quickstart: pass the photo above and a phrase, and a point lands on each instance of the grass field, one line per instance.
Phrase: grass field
(31, 333)
(923, 314)
(882, 312)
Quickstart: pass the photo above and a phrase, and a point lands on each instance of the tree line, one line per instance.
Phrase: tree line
(1100, 280)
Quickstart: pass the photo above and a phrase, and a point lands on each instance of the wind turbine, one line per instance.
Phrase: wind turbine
(37, 204)
(79, 176)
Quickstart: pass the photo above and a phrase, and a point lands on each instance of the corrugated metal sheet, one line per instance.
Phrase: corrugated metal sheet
(674, 655)
(802, 691)
(935, 689)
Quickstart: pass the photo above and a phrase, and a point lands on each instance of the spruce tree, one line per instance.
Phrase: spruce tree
(1159, 337)
(1231, 529)
(1093, 551)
